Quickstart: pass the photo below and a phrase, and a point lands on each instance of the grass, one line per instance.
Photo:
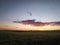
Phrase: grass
(29, 38)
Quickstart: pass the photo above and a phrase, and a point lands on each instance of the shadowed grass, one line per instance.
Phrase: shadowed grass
(29, 38)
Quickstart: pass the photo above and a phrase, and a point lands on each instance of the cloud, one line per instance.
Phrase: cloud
(30, 22)
(34, 23)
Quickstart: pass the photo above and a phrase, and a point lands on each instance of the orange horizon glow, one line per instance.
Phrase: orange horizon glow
(29, 27)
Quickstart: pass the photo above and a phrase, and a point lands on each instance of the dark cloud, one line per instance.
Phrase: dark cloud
(30, 22)
(34, 23)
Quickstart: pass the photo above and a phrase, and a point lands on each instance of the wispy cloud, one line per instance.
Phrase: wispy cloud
(34, 23)
(30, 22)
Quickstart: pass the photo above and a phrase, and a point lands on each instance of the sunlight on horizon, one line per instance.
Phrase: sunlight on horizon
(29, 27)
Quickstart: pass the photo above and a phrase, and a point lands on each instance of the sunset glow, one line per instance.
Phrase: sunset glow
(29, 27)
(30, 15)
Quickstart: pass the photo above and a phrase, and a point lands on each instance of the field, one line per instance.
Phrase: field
(29, 38)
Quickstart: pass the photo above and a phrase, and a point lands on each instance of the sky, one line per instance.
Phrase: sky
(18, 10)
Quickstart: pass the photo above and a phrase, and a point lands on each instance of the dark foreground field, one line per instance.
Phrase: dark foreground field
(30, 38)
